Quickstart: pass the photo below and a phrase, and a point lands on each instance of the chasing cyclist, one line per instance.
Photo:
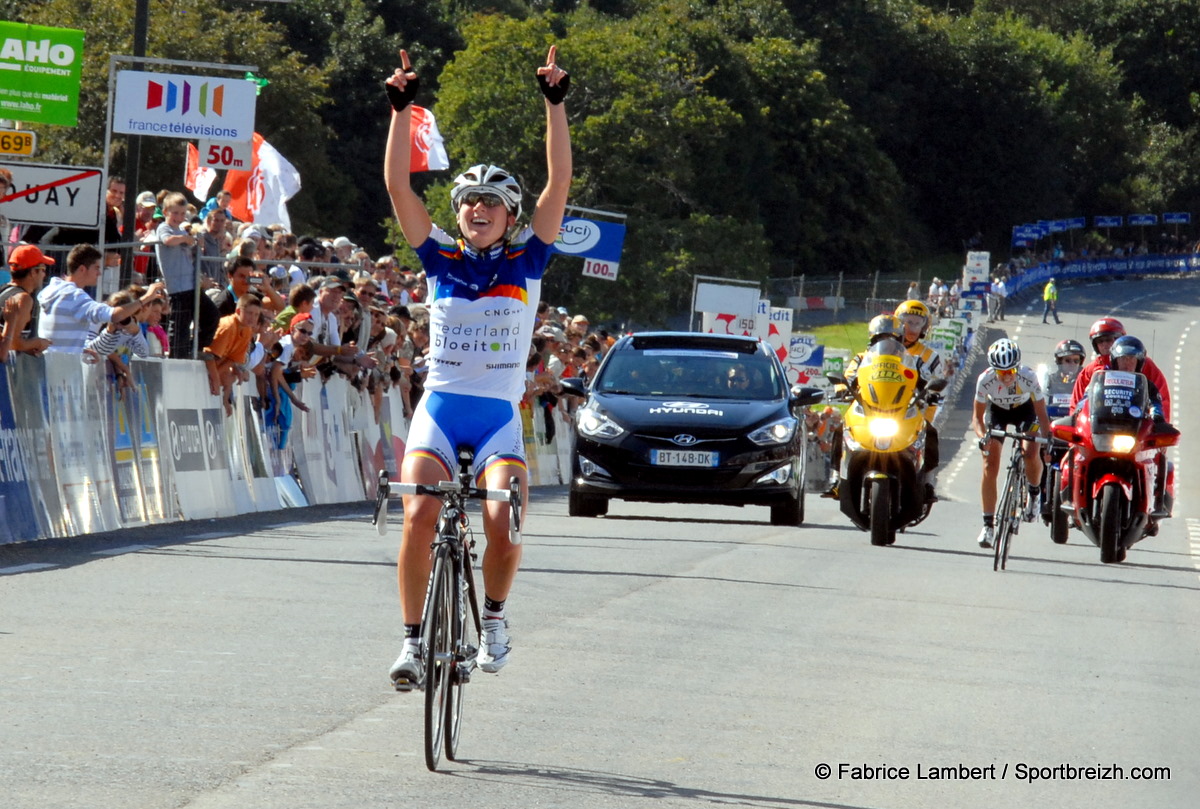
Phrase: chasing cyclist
(1007, 393)
(483, 295)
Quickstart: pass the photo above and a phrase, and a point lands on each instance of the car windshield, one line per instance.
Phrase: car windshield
(678, 372)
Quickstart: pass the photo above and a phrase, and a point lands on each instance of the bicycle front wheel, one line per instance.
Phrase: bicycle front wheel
(464, 661)
(1006, 513)
(439, 655)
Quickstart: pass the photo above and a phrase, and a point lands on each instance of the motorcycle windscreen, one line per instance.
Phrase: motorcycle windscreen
(1117, 401)
(884, 380)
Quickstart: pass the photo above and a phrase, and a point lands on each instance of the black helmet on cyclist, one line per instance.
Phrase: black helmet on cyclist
(1128, 346)
(1004, 355)
(1105, 327)
(1068, 348)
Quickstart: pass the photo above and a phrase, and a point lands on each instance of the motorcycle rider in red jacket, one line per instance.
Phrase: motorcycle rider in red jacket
(1103, 332)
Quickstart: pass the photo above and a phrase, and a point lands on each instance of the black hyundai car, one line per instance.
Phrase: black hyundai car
(691, 418)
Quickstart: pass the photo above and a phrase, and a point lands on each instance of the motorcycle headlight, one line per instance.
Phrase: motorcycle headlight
(598, 425)
(779, 432)
(1114, 442)
(883, 428)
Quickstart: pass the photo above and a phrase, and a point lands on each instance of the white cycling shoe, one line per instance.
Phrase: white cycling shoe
(494, 646)
(408, 672)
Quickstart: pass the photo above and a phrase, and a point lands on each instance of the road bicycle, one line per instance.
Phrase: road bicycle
(451, 598)
(1010, 507)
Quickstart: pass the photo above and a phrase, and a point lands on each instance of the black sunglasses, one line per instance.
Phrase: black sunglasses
(472, 198)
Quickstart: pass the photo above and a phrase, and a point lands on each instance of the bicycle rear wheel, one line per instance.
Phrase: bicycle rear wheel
(439, 654)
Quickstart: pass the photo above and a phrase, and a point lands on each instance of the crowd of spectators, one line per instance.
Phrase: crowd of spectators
(274, 309)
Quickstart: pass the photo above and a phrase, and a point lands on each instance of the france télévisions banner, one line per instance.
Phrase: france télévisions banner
(39, 73)
(190, 107)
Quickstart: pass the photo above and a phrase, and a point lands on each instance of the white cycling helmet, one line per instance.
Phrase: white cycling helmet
(1004, 355)
(490, 180)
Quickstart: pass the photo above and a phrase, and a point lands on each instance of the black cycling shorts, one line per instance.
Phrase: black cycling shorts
(1023, 416)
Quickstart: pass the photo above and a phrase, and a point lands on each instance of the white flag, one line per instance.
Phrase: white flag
(428, 148)
(259, 195)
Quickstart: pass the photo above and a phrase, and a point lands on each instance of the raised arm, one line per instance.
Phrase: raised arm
(552, 203)
(410, 211)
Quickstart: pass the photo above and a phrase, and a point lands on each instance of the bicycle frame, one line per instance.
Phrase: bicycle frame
(1010, 504)
(449, 655)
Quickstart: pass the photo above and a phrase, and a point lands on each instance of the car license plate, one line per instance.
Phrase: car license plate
(682, 457)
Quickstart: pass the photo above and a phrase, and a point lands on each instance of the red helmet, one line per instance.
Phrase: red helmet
(1105, 327)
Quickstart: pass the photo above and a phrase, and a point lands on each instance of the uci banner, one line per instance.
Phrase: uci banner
(40, 69)
(599, 243)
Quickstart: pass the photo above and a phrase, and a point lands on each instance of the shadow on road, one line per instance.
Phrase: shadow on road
(597, 782)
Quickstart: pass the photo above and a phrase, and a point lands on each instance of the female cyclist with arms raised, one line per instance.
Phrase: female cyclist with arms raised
(483, 295)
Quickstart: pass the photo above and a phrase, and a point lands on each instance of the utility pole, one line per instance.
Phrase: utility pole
(133, 147)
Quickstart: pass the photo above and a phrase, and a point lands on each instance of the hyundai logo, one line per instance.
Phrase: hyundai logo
(684, 440)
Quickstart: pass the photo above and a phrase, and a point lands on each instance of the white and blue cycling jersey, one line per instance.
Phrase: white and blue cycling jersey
(482, 308)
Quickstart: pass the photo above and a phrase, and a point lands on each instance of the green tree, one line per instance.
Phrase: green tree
(288, 112)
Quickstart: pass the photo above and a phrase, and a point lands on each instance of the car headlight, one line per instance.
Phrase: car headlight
(779, 432)
(1114, 442)
(598, 425)
(883, 428)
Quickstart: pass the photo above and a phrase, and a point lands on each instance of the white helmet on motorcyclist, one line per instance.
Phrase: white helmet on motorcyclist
(1004, 355)
(884, 327)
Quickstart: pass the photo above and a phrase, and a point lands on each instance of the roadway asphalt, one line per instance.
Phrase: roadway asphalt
(680, 655)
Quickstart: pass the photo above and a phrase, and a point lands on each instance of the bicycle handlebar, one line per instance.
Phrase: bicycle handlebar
(1003, 434)
(447, 486)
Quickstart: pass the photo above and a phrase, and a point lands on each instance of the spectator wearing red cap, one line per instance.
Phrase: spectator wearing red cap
(18, 312)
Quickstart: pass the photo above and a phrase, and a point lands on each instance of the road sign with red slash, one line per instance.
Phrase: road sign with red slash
(41, 194)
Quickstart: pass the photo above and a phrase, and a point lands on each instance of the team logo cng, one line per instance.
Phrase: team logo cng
(186, 97)
(686, 408)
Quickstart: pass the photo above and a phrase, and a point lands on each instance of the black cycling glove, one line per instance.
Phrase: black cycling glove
(402, 98)
(557, 92)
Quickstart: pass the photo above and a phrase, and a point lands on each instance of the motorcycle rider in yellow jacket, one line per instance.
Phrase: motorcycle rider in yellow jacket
(914, 317)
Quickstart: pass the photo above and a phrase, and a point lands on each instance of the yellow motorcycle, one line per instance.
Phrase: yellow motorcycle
(882, 488)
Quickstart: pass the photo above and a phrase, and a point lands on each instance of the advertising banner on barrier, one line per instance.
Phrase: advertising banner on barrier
(77, 410)
(27, 389)
(123, 419)
(18, 512)
(805, 359)
(197, 441)
(382, 447)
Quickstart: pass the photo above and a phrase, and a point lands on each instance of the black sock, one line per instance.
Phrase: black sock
(412, 631)
(989, 521)
(492, 608)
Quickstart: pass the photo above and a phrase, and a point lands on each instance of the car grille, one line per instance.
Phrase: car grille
(670, 439)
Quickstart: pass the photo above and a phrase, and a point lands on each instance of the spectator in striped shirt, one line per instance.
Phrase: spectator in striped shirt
(68, 312)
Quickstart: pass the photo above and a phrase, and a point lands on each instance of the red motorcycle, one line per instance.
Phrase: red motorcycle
(1115, 481)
